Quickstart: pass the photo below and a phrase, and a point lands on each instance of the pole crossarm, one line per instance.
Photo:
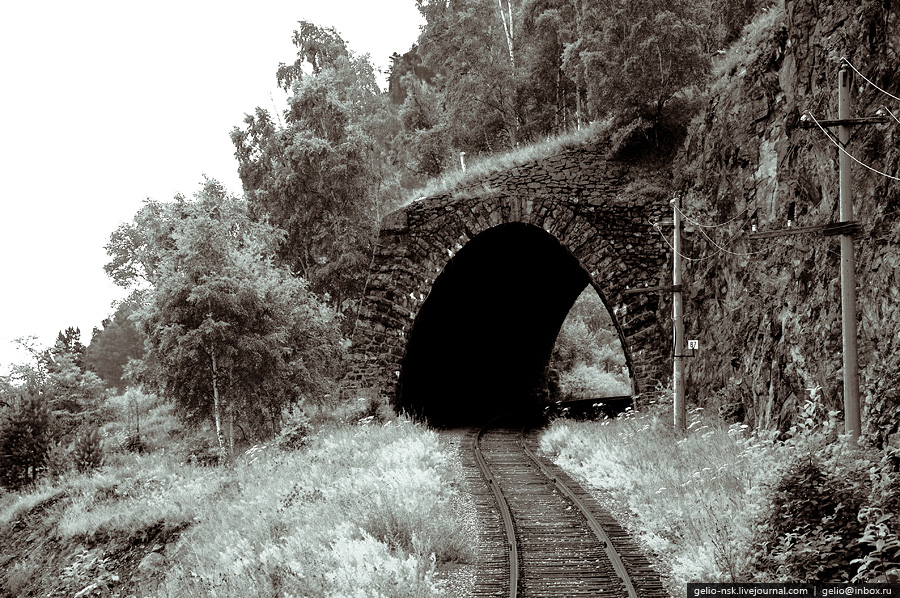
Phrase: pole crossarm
(851, 227)
(845, 122)
(668, 288)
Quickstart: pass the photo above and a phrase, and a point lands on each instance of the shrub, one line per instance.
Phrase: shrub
(826, 510)
(25, 439)
(87, 454)
(882, 561)
(585, 381)
(58, 461)
(295, 431)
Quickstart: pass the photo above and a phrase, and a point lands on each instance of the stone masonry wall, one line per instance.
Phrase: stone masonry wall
(600, 209)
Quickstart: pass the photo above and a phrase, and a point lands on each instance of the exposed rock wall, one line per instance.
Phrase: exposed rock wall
(768, 311)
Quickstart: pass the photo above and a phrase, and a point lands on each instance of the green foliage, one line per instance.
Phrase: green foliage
(68, 343)
(810, 530)
(727, 504)
(114, 345)
(503, 73)
(135, 247)
(827, 509)
(26, 433)
(586, 381)
(882, 560)
(295, 431)
(465, 42)
(364, 510)
(587, 353)
(425, 129)
(633, 57)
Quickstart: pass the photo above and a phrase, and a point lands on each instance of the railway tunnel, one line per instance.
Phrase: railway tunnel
(482, 339)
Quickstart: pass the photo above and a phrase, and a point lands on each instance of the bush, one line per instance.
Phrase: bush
(588, 381)
(87, 453)
(58, 461)
(295, 432)
(25, 438)
(827, 510)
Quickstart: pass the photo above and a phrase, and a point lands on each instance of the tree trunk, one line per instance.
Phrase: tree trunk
(220, 437)
(508, 29)
(577, 107)
(231, 431)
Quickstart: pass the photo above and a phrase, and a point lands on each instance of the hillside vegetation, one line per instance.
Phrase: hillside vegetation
(363, 509)
(724, 503)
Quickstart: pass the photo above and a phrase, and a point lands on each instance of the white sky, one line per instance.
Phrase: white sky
(105, 103)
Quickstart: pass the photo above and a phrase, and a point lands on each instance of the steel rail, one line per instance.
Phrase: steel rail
(504, 512)
(611, 553)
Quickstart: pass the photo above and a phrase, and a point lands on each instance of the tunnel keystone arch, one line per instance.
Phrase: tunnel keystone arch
(576, 218)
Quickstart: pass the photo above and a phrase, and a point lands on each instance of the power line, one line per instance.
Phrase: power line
(721, 248)
(695, 223)
(848, 154)
(885, 108)
(847, 62)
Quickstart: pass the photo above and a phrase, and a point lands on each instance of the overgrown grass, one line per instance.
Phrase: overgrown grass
(489, 164)
(720, 503)
(361, 511)
(364, 512)
(693, 496)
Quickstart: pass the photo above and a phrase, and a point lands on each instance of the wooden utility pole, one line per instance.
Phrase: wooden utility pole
(678, 320)
(852, 419)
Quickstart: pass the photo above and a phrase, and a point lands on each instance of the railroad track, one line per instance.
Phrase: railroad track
(551, 538)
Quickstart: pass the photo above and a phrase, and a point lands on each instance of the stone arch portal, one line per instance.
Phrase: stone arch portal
(468, 290)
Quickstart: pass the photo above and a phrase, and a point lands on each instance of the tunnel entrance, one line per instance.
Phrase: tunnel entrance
(482, 339)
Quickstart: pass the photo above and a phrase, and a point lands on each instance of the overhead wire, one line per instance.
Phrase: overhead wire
(710, 239)
(848, 154)
(864, 78)
(695, 223)
(886, 109)
(721, 249)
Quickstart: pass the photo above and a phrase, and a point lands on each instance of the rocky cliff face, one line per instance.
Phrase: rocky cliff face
(767, 312)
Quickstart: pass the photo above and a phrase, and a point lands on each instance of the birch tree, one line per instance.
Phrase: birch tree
(231, 336)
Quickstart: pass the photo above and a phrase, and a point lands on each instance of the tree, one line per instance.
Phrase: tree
(633, 57)
(69, 342)
(324, 176)
(470, 44)
(549, 95)
(230, 334)
(25, 437)
(425, 129)
(135, 247)
(115, 344)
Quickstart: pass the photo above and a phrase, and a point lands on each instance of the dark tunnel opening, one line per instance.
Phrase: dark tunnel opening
(482, 339)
